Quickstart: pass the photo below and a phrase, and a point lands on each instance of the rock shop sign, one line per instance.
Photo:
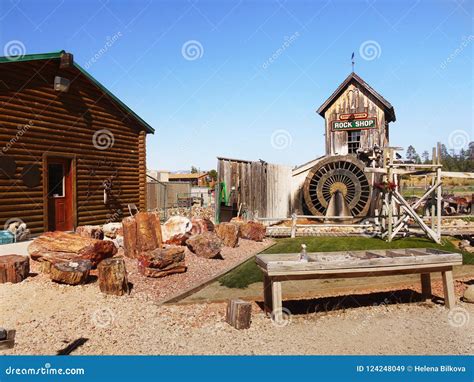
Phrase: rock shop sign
(357, 124)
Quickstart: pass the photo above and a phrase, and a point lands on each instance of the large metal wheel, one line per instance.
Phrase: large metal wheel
(343, 173)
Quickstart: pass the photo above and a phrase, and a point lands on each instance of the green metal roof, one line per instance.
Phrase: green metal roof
(57, 55)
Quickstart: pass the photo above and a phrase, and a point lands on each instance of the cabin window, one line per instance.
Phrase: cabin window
(353, 141)
(55, 180)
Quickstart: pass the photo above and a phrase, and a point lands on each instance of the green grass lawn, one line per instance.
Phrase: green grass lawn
(249, 273)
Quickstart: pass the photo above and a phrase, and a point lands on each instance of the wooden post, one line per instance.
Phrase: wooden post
(390, 198)
(426, 286)
(439, 194)
(14, 268)
(293, 225)
(113, 276)
(448, 286)
(277, 311)
(267, 295)
(239, 314)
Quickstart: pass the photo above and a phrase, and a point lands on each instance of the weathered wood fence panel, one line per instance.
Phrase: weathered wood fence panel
(262, 189)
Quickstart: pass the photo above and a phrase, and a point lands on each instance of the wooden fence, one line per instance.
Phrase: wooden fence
(257, 188)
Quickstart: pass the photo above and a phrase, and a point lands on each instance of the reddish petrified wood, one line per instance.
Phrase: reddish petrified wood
(206, 245)
(252, 231)
(14, 268)
(201, 225)
(113, 277)
(142, 233)
(71, 272)
(228, 233)
(61, 246)
(162, 261)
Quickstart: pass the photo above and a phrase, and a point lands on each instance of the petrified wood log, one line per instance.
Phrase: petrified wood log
(162, 261)
(141, 233)
(129, 236)
(201, 225)
(176, 230)
(61, 246)
(206, 245)
(14, 268)
(228, 233)
(71, 272)
(252, 231)
(113, 276)
(239, 314)
(93, 231)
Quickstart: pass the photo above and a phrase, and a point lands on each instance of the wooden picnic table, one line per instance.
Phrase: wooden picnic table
(324, 265)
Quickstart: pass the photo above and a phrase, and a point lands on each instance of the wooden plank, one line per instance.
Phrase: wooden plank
(448, 286)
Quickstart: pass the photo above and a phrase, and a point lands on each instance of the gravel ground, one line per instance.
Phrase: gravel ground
(49, 317)
(200, 270)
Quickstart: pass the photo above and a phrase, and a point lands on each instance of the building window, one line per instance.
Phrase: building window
(353, 141)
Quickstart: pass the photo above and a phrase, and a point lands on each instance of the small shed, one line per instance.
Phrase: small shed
(356, 117)
(71, 153)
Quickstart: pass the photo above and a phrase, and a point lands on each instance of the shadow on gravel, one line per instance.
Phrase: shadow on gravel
(328, 304)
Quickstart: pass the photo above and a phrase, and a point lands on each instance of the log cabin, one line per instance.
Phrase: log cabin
(71, 153)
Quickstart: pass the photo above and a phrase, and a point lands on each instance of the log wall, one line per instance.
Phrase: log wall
(36, 121)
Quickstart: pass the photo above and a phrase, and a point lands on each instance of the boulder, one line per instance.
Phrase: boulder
(228, 233)
(176, 230)
(469, 294)
(57, 246)
(19, 230)
(111, 230)
(200, 225)
(162, 261)
(206, 245)
(253, 231)
(93, 231)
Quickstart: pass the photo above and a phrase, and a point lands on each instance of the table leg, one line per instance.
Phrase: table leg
(277, 311)
(448, 286)
(426, 286)
(267, 295)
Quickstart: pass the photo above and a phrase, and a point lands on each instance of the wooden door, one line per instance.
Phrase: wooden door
(59, 181)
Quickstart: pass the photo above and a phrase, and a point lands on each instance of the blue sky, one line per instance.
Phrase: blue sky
(242, 79)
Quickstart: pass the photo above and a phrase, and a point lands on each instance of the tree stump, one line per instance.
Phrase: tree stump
(239, 314)
(113, 277)
(14, 268)
(71, 272)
